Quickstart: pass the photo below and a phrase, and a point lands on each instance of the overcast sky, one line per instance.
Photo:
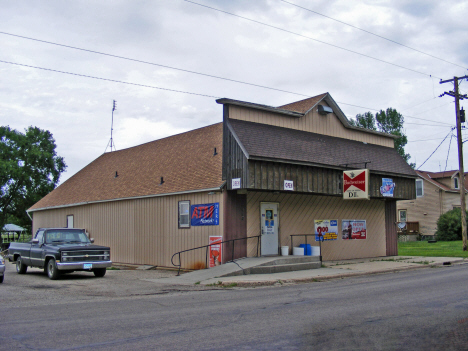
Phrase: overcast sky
(309, 54)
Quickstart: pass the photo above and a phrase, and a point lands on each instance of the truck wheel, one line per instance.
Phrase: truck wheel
(21, 268)
(99, 272)
(52, 271)
(1, 279)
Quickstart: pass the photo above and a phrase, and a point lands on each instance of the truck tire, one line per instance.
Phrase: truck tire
(52, 270)
(1, 279)
(99, 272)
(21, 268)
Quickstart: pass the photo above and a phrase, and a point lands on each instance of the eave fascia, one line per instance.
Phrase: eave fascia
(225, 101)
(127, 198)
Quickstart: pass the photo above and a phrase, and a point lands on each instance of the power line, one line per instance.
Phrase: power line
(448, 152)
(436, 148)
(371, 33)
(310, 38)
(151, 63)
(190, 71)
(110, 80)
(414, 141)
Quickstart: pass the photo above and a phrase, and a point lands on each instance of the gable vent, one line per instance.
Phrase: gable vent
(324, 110)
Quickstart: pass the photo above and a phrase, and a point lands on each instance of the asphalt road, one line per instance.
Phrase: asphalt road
(425, 309)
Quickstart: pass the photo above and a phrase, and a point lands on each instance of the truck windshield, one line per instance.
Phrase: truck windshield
(66, 236)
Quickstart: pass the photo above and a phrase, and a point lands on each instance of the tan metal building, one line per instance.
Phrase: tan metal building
(281, 164)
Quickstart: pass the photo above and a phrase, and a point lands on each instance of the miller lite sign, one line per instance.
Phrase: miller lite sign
(356, 184)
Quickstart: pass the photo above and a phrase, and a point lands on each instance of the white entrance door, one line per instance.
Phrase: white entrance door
(269, 221)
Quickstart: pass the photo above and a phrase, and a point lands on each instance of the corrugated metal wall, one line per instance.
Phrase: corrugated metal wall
(141, 231)
(312, 122)
(298, 212)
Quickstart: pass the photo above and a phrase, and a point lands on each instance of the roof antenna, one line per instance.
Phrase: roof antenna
(111, 141)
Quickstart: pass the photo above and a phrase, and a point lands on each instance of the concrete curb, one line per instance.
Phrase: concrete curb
(280, 282)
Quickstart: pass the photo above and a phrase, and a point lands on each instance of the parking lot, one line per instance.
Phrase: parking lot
(34, 288)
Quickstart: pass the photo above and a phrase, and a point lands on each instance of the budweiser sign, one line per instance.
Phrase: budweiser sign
(356, 184)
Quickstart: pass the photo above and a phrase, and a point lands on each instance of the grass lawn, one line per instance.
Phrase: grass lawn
(438, 249)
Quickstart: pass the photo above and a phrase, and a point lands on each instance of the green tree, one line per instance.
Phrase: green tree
(29, 169)
(390, 122)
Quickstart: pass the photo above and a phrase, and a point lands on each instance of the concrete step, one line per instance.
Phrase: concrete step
(281, 260)
(290, 267)
(279, 265)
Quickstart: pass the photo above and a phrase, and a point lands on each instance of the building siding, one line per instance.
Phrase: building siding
(140, 231)
(311, 122)
(297, 213)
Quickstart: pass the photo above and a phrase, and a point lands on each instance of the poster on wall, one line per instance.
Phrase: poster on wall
(206, 214)
(216, 256)
(269, 221)
(236, 183)
(326, 228)
(387, 187)
(353, 229)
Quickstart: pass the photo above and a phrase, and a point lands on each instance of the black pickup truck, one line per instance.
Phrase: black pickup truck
(60, 250)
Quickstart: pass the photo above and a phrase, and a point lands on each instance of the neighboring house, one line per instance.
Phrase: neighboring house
(269, 171)
(436, 193)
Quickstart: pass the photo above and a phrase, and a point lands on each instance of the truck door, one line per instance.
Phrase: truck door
(37, 259)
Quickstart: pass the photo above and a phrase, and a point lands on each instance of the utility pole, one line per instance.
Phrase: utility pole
(111, 141)
(461, 172)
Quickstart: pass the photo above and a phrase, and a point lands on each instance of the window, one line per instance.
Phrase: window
(455, 183)
(402, 215)
(184, 214)
(419, 188)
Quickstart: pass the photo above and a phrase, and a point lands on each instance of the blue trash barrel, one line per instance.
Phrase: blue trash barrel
(307, 249)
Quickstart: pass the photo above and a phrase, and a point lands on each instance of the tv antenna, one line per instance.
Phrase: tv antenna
(111, 141)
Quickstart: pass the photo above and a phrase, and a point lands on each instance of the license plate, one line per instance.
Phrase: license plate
(87, 265)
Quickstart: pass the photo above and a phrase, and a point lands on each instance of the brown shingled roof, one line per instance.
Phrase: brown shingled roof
(305, 105)
(271, 142)
(185, 161)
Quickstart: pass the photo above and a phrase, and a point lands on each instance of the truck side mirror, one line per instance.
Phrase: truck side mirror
(92, 240)
(35, 241)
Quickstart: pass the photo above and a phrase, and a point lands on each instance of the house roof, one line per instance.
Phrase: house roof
(282, 144)
(185, 161)
(305, 105)
(300, 108)
(433, 176)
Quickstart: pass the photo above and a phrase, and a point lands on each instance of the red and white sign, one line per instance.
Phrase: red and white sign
(356, 184)
(215, 251)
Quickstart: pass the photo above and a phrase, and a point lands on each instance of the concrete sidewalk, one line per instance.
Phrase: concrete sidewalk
(329, 270)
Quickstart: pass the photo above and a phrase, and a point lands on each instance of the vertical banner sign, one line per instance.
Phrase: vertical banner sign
(215, 251)
(387, 187)
(206, 214)
(328, 228)
(356, 184)
(353, 229)
(236, 183)
(289, 185)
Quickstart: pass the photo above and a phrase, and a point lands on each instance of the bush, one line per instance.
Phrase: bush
(449, 226)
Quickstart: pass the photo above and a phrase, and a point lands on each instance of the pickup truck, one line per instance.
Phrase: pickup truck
(60, 250)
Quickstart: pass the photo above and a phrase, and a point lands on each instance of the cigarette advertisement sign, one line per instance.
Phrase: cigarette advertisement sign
(353, 229)
(206, 214)
(215, 250)
(356, 184)
(387, 187)
(326, 229)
